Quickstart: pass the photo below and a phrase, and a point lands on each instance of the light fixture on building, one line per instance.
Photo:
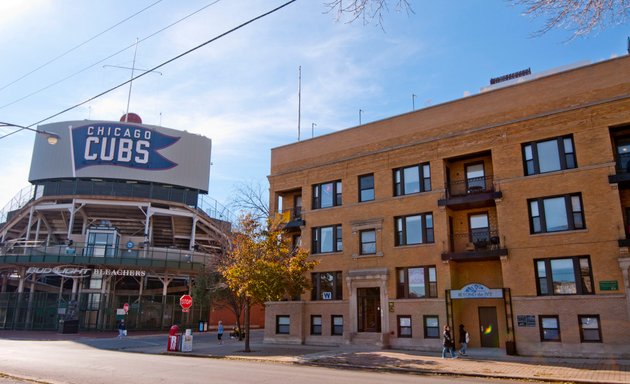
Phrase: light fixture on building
(52, 138)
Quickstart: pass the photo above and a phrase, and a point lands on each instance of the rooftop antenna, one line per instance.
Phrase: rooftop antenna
(299, 99)
(133, 69)
(360, 112)
(313, 129)
(413, 101)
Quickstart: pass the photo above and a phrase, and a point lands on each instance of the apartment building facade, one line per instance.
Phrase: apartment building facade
(507, 211)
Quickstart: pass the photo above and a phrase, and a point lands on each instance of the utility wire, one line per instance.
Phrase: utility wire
(78, 46)
(108, 57)
(161, 65)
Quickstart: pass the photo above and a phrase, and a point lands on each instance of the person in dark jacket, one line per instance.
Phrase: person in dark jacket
(464, 338)
(121, 329)
(448, 344)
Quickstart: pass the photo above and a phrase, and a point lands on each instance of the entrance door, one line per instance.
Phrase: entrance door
(369, 309)
(489, 327)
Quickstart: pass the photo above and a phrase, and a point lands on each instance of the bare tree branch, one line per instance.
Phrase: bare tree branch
(251, 199)
(579, 16)
(366, 10)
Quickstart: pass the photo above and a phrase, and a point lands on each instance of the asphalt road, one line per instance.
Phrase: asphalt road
(74, 362)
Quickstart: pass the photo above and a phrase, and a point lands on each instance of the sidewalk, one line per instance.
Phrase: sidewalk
(479, 363)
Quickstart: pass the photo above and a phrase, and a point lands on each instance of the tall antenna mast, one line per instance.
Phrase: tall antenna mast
(299, 99)
(133, 67)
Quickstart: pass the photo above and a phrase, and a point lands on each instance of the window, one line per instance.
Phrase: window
(416, 282)
(337, 325)
(316, 325)
(431, 327)
(549, 155)
(549, 328)
(327, 239)
(326, 286)
(368, 242)
(366, 188)
(479, 228)
(404, 326)
(475, 178)
(412, 179)
(327, 195)
(590, 331)
(416, 229)
(555, 214)
(569, 276)
(283, 324)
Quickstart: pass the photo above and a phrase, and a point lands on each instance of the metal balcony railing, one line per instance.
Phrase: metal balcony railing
(469, 186)
(21, 251)
(482, 239)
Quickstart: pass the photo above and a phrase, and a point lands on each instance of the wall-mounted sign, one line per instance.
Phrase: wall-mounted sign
(327, 295)
(526, 320)
(611, 285)
(72, 271)
(476, 291)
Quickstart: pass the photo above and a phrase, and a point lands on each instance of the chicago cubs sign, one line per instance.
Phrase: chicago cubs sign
(120, 144)
(115, 150)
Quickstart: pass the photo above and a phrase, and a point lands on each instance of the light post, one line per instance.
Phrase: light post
(52, 138)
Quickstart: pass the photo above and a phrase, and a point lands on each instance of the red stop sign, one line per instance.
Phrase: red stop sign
(126, 307)
(185, 302)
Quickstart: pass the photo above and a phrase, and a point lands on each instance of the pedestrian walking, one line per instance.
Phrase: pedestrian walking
(220, 332)
(448, 344)
(122, 329)
(464, 338)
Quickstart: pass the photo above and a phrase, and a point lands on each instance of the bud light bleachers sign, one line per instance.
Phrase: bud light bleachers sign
(122, 145)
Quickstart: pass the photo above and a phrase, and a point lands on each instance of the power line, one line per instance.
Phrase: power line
(108, 57)
(167, 62)
(78, 46)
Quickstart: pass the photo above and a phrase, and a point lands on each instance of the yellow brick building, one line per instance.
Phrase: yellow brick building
(505, 211)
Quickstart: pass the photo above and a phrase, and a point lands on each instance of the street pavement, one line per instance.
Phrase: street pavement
(480, 362)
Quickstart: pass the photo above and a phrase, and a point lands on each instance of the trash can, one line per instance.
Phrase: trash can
(173, 339)
(203, 326)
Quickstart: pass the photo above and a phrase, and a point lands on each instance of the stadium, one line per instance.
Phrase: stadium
(115, 224)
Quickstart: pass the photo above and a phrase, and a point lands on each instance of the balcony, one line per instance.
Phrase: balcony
(622, 170)
(293, 218)
(476, 245)
(470, 193)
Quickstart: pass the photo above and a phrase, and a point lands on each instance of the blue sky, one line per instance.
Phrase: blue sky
(241, 91)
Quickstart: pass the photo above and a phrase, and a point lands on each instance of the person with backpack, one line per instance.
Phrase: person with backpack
(464, 338)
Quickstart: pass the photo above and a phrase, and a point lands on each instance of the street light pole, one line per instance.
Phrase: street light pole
(53, 138)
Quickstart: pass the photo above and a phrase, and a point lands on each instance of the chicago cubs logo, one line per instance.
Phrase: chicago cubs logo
(122, 145)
